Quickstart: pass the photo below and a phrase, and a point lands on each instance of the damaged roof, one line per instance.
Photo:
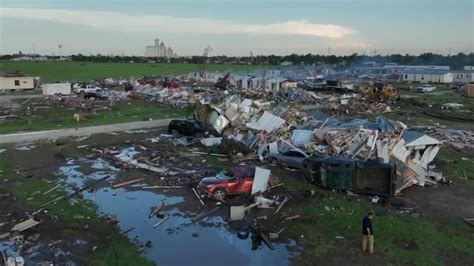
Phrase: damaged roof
(415, 138)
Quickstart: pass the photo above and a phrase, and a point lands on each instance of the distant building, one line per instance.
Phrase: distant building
(463, 76)
(428, 75)
(159, 50)
(469, 68)
(417, 67)
(15, 81)
(151, 51)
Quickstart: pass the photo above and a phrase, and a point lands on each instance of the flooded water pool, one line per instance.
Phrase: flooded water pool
(177, 241)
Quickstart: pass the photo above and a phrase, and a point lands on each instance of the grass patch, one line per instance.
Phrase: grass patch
(57, 118)
(320, 228)
(456, 164)
(83, 71)
(295, 181)
(4, 164)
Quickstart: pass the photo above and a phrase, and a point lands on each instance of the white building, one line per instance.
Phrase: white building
(463, 76)
(150, 51)
(159, 50)
(428, 75)
(14, 81)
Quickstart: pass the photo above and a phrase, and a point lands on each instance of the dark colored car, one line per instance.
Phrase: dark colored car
(97, 95)
(236, 180)
(366, 177)
(186, 127)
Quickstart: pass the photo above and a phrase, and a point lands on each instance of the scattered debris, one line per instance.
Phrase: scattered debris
(161, 221)
(204, 214)
(292, 217)
(25, 225)
(127, 183)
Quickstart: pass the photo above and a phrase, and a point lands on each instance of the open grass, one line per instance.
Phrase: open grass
(57, 118)
(456, 164)
(320, 229)
(84, 71)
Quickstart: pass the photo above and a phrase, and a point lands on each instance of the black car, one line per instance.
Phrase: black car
(190, 128)
(97, 95)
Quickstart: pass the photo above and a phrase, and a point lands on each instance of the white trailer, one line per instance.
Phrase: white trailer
(56, 89)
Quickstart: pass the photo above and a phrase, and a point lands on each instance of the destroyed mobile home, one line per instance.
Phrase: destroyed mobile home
(256, 129)
(273, 129)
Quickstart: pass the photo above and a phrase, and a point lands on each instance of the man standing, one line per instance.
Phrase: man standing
(368, 233)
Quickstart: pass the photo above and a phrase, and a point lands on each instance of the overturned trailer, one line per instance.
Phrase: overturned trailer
(365, 177)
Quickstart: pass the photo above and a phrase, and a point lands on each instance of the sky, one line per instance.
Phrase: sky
(238, 27)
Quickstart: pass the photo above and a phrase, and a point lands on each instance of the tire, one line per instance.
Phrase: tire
(220, 194)
(243, 233)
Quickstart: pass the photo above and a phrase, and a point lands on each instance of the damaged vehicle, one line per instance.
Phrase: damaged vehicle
(237, 180)
(96, 95)
(345, 174)
(190, 128)
(292, 158)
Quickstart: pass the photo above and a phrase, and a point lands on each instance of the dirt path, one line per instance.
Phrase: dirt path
(81, 131)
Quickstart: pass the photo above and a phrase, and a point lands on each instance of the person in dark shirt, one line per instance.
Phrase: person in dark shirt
(368, 233)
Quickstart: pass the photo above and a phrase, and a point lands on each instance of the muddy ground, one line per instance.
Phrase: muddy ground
(76, 163)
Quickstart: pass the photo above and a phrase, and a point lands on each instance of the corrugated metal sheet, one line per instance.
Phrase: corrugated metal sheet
(268, 122)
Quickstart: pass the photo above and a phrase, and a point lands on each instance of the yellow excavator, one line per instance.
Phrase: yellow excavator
(378, 91)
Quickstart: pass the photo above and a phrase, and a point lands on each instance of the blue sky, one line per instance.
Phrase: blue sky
(238, 27)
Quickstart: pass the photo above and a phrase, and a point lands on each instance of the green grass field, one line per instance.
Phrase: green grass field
(57, 117)
(321, 230)
(84, 71)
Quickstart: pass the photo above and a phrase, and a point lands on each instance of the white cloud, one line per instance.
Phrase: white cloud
(167, 24)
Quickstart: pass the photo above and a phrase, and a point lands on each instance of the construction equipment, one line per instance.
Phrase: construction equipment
(378, 91)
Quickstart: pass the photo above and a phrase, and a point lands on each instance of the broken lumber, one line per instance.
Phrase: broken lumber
(68, 196)
(25, 225)
(292, 217)
(162, 187)
(251, 206)
(127, 183)
(156, 210)
(55, 187)
(127, 231)
(266, 240)
(277, 185)
(281, 205)
(198, 196)
(204, 214)
(213, 154)
(160, 222)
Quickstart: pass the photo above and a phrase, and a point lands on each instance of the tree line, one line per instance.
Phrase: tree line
(457, 61)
